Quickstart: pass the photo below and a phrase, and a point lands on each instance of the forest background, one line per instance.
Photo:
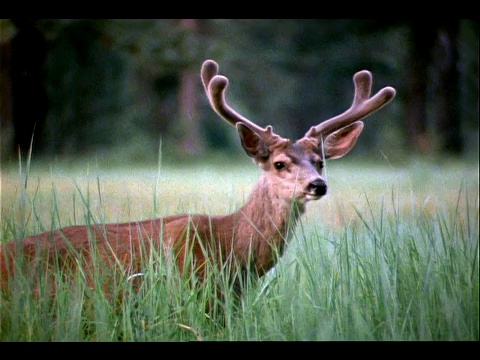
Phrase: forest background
(115, 88)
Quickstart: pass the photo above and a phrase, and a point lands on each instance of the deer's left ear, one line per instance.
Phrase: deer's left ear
(253, 144)
(340, 142)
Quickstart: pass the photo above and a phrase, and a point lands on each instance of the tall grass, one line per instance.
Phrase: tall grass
(391, 259)
(394, 278)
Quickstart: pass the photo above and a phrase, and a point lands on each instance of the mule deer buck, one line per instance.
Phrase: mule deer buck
(255, 235)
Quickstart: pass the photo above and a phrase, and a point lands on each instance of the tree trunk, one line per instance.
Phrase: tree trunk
(192, 140)
(29, 96)
(422, 40)
(433, 84)
(447, 94)
(6, 121)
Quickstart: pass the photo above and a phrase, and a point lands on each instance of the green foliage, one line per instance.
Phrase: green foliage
(86, 91)
(113, 84)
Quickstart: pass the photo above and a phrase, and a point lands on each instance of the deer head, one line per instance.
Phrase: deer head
(297, 166)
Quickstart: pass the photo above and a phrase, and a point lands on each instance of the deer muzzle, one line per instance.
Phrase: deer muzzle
(316, 189)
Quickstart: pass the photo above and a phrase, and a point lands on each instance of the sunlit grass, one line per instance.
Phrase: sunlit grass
(130, 193)
(390, 254)
(127, 194)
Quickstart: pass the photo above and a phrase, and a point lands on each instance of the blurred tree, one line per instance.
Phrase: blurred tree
(6, 121)
(191, 142)
(27, 73)
(433, 82)
(86, 90)
(167, 55)
(447, 93)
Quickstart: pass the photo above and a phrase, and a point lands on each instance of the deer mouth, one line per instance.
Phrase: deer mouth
(312, 196)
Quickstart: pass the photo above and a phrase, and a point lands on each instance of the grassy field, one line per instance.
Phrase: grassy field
(391, 253)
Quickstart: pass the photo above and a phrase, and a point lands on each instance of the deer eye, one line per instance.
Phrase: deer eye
(279, 165)
(317, 163)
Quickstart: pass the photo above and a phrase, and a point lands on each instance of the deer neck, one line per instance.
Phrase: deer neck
(264, 225)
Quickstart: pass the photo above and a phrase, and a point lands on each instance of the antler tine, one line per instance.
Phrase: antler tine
(216, 85)
(209, 70)
(362, 105)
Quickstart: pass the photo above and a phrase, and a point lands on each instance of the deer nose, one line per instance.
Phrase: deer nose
(318, 187)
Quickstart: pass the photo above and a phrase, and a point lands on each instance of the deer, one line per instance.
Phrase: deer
(255, 236)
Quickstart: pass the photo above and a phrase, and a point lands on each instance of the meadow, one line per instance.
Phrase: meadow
(391, 253)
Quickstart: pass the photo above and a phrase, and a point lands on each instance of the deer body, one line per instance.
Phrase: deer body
(255, 235)
(257, 231)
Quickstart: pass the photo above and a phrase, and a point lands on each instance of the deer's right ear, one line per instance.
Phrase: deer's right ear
(253, 144)
(340, 142)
